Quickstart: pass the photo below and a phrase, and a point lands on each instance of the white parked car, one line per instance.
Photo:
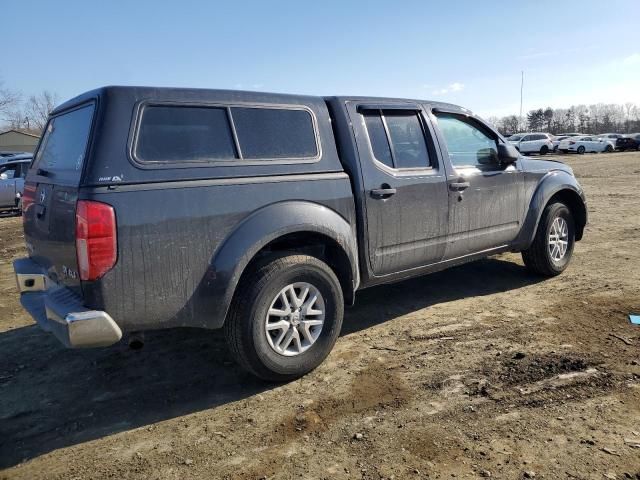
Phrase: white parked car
(532, 142)
(586, 143)
(557, 139)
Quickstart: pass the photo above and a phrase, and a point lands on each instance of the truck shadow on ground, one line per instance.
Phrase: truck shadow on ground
(52, 397)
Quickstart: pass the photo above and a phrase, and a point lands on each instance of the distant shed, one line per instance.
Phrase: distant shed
(17, 141)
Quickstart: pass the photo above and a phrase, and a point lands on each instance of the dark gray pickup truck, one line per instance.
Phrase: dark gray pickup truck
(263, 214)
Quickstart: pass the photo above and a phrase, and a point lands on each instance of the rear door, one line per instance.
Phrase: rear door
(485, 206)
(55, 174)
(405, 186)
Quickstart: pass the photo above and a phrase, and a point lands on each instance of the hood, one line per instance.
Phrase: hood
(535, 165)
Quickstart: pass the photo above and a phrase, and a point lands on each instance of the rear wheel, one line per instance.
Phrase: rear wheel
(581, 149)
(552, 247)
(286, 317)
(544, 150)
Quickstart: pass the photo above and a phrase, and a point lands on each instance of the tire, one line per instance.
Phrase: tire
(538, 257)
(555, 149)
(544, 150)
(581, 149)
(253, 346)
(608, 149)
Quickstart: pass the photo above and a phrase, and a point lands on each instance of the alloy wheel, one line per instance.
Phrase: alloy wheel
(558, 239)
(295, 318)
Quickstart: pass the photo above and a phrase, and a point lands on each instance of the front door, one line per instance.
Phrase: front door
(484, 196)
(405, 189)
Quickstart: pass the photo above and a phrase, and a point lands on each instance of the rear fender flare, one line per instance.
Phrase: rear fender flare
(261, 228)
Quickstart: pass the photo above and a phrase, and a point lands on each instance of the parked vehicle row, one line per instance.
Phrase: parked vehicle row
(543, 143)
(276, 209)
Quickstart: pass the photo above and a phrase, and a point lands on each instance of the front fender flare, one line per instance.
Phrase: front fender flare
(552, 183)
(259, 229)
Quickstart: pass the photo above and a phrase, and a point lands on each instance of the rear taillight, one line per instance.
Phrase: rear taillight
(28, 196)
(96, 239)
(572, 143)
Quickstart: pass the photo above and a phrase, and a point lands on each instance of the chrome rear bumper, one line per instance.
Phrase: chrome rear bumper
(58, 310)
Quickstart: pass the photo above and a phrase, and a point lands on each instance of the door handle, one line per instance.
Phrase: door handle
(458, 186)
(384, 192)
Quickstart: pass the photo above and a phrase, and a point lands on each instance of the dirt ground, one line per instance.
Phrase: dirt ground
(480, 371)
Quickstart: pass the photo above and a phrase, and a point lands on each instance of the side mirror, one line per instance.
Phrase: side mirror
(507, 154)
(4, 176)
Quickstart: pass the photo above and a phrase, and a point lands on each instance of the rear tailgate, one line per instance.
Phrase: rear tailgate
(52, 185)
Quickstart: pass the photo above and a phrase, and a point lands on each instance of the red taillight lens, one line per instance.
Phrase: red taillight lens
(96, 239)
(572, 143)
(28, 196)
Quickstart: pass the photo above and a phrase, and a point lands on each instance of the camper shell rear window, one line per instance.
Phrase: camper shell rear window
(63, 147)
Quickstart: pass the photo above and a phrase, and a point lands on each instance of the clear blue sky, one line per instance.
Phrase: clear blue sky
(466, 52)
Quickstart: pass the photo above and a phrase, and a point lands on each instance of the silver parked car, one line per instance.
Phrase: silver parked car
(12, 175)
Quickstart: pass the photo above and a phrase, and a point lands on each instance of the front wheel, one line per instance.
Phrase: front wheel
(552, 247)
(286, 317)
(608, 149)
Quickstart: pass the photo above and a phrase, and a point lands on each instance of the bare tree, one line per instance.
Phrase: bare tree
(548, 117)
(16, 119)
(38, 108)
(493, 121)
(509, 124)
(8, 99)
(595, 118)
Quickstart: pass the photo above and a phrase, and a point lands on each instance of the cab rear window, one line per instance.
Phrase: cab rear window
(64, 144)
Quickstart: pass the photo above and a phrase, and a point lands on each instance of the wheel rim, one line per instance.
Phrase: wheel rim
(558, 239)
(295, 319)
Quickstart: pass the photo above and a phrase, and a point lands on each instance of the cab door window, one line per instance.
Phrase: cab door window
(397, 138)
(468, 145)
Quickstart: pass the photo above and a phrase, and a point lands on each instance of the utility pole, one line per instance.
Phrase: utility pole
(521, 88)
